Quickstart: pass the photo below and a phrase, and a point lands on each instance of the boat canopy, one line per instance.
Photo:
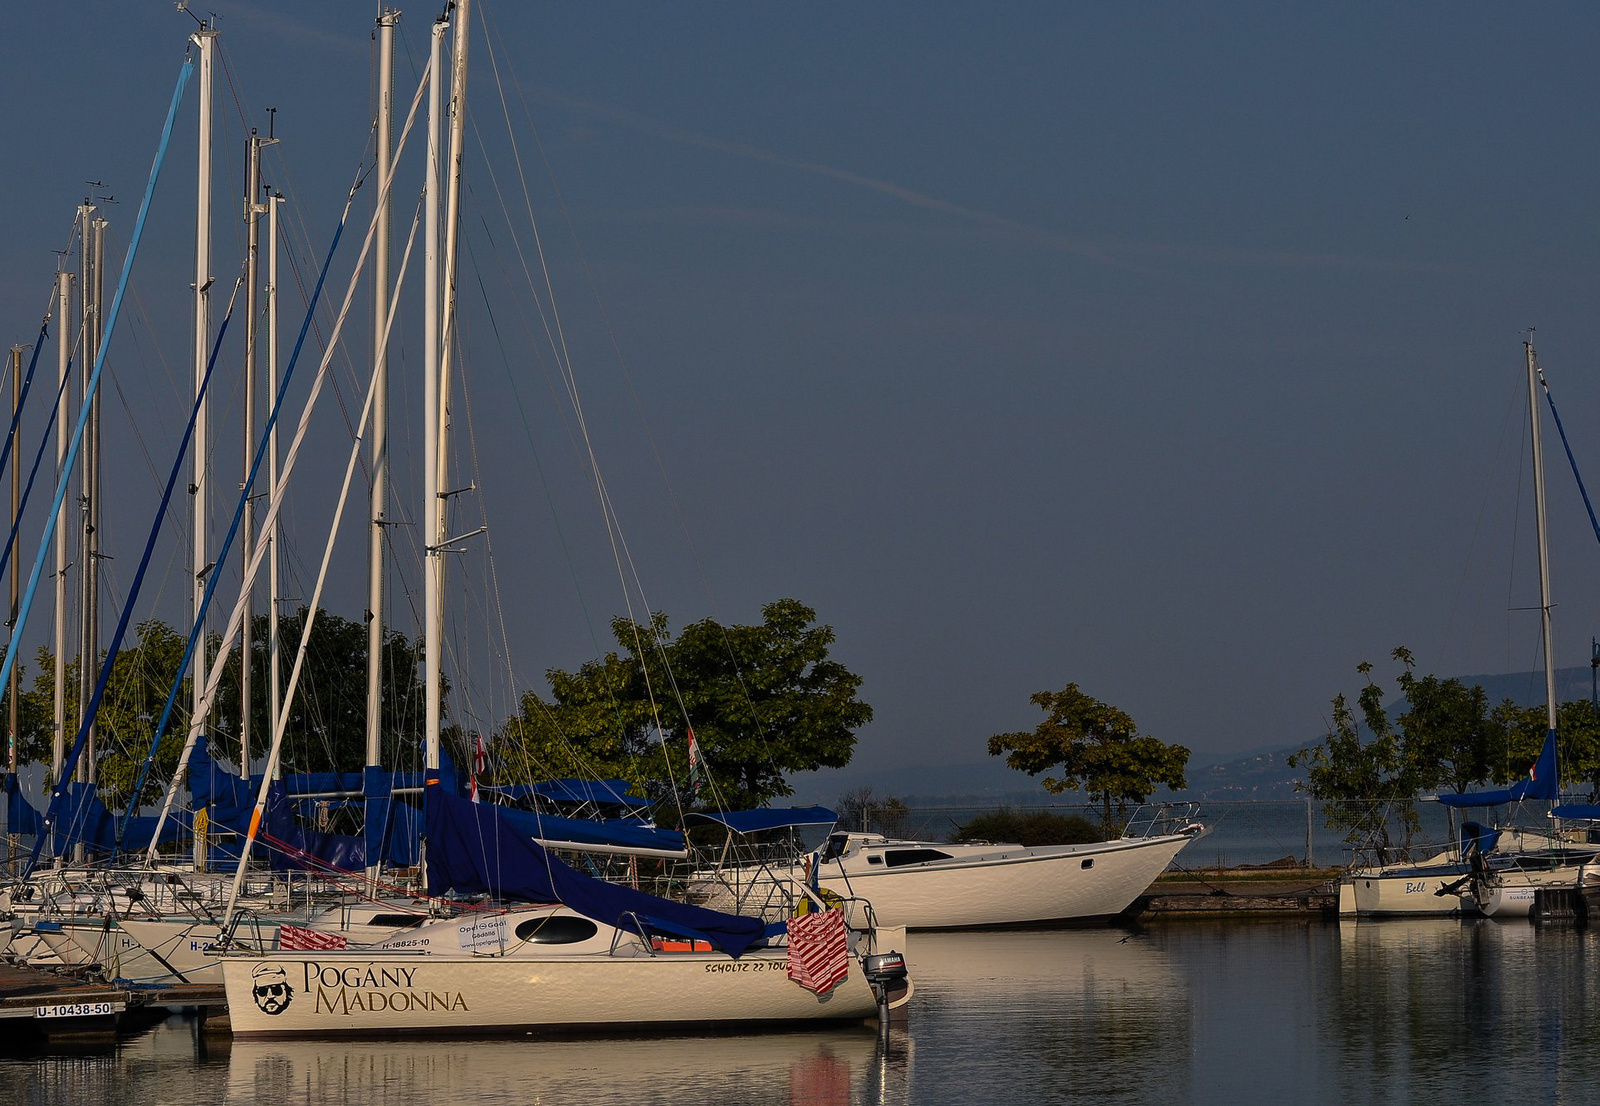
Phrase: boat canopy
(477, 849)
(766, 818)
(599, 792)
(1541, 783)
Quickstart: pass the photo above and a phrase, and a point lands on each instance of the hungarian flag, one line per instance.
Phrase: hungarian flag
(697, 776)
(480, 765)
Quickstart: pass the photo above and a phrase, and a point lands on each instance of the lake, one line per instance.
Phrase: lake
(1189, 1012)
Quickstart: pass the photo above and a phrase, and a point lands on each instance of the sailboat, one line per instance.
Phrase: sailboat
(1493, 872)
(534, 945)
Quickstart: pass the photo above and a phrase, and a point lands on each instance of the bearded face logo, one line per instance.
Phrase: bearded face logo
(271, 989)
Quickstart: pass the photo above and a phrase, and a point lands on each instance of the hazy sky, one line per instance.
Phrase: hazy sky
(1170, 350)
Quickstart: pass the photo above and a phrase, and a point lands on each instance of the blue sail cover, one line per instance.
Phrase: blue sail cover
(1541, 783)
(598, 792)
(232, 800)
(473, 849)
(83, 818)
(766, 818)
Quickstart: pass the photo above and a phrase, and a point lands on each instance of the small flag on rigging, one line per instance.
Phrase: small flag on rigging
(696, 769)
(480, 765)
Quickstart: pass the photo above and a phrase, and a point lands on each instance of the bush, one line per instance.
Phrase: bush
(1029, 828)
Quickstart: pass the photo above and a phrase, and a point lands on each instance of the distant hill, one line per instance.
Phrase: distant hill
(1259, 774)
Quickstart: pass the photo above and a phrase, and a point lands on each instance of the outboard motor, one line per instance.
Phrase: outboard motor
(883, 971)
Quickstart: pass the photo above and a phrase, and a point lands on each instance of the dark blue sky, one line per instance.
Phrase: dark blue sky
(1174, 351)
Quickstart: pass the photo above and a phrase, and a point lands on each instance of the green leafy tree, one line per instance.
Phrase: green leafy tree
(1094, 747)
(762, 701)
(1446, 729)
(326, 728)
(1362, 784)
(1023, 827)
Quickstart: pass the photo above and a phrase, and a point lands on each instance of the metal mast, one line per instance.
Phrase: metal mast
(205, 40)
(252, 218)
(58, 701)
(1544, 552)
(274, 677)
(378, 511)
(88, 541)
(16, 508)
(430, 402)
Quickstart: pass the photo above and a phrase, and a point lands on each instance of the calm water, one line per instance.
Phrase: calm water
(1182, 1013)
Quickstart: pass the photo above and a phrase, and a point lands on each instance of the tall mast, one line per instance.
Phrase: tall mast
(377, 514)
(58, 699)
(1544, 551)
(16, 508)
(205, 40)
(274, 677)
(89, 259)
(458, 123)
(252, 218)
(433, 555)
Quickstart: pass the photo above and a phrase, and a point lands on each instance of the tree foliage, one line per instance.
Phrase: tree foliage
(1023, 827)
(1094, 747)
(762, 701)
(1368, 771)
(860, 809)
(326, 727)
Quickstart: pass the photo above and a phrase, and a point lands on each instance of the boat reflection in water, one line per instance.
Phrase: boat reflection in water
(820, 1067)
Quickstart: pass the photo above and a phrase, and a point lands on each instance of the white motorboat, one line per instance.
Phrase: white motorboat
(940, 885)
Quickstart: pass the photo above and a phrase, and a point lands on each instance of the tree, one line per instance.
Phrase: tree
(860, 809)
(1360, 783)
(1097, 748)
(326, 728)
(1037, 827)
(1446, 729)
(761, 701)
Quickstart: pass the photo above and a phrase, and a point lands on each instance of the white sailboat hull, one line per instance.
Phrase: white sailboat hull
(1014, 887)
(377, 994)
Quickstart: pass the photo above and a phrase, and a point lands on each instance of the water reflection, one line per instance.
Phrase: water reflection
(1396, 1011)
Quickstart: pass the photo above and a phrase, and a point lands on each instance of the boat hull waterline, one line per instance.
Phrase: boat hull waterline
(361, 994)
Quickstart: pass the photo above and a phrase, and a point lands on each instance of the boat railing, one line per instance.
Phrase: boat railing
(1161, 819)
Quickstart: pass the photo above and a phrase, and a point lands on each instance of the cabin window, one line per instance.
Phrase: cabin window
(1087, 864)
(399, 921)
(557, 929)
(896, 857)
(874, 860)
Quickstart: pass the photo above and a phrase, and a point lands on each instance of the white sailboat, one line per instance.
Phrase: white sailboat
(584, 954)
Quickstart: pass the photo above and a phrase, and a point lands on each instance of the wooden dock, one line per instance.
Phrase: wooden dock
(36, 1004)
(1275, 892)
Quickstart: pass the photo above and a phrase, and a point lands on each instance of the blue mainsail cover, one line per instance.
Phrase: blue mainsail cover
(1541, 783)
(599, 792)
(83, 818)
(766, 818)
(474, 849)
(620, 833)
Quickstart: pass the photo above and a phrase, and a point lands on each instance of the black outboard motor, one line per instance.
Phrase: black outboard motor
(886, 972)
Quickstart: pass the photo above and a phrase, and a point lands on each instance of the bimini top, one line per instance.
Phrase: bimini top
(753, 821)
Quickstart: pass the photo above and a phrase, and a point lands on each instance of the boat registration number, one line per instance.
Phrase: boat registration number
(76, 1010)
